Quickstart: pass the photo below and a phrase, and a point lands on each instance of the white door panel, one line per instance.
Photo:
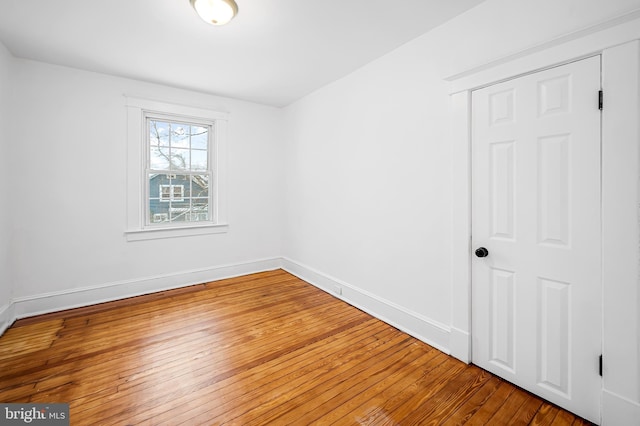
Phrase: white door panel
(536, 208)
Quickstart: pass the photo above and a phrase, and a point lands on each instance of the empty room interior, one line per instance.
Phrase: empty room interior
(321, 212)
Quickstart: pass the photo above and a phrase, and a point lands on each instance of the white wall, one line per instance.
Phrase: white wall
(368, 185)
(368, 194)
(70, 145)
(357, 197)
(5, 176)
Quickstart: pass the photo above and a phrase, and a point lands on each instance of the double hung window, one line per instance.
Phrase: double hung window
(175, 170)
(178, 172)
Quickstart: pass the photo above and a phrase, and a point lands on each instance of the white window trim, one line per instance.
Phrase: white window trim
(136, 229)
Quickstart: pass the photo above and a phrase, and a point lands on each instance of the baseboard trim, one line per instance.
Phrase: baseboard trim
(7, 317)
(79, 297)
(412, 323)
(460, 344)
(618, 411)
(431, 332)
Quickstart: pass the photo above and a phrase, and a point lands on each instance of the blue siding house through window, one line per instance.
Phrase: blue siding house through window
(185, 198)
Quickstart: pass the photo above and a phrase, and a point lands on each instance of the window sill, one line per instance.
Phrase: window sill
(185, 231)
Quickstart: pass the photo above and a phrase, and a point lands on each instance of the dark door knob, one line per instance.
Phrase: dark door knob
(482, 252)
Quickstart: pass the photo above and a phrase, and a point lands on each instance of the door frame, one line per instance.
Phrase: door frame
(617, 42)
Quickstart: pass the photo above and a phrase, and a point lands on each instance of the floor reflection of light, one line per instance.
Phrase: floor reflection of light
(377, 416)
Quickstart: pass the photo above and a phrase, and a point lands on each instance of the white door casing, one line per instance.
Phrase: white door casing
(536, 298)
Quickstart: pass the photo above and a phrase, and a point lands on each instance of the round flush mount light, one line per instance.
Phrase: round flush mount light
(215, 12)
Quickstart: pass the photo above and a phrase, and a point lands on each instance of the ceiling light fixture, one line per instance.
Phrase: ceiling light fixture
(215, 12)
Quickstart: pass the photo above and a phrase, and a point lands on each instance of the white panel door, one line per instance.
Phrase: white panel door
(536, 296)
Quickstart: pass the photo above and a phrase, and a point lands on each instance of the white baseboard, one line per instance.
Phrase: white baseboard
(431, 332)
(619, 411)
(425, 329)
(7, 317)
(414, 324)
(78, 297)
(460, 344)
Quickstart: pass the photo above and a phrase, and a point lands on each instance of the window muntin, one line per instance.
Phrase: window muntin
(178, 169)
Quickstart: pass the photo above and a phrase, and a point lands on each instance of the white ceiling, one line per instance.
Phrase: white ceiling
(274, 52)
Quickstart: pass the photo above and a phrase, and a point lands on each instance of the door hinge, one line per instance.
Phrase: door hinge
(600, 365)
(600, 100)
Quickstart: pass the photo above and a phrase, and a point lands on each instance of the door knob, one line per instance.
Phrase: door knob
(482, 252)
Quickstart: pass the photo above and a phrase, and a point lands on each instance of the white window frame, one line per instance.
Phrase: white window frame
(138, 227)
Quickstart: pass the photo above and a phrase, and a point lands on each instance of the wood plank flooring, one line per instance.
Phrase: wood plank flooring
(261, 349)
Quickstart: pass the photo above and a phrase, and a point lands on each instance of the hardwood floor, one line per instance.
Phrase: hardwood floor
(262, 349)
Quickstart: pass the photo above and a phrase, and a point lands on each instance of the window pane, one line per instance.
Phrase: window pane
(159, 133)
(155, 180)
(198, 160)
(199, 137)
(158, 210)
(181, 186)
(160, 185)
(179, 190)
(180, 159)
(179, 135)
(159, 217)
(200, 186)
(179, 211)
(200, 209)
(159, 158)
